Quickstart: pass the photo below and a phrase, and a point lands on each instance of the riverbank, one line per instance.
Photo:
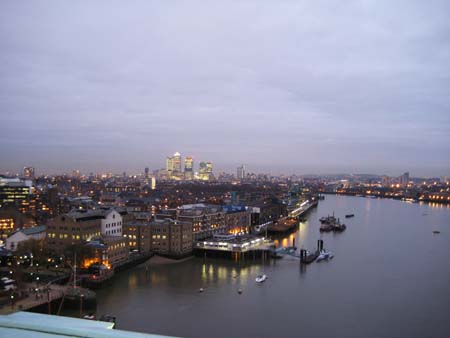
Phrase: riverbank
(159, 260)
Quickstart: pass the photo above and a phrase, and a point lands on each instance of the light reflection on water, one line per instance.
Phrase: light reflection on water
(376, 274)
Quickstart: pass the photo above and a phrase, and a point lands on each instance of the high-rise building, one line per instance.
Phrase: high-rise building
(188, 168)
(146, 172)
(28, 172)
(169, 165)
(173, 166)
(241, 172)
(404, 179)
(177, 162)
(205, 171)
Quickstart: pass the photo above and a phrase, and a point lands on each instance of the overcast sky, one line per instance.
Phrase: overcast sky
(281, 86)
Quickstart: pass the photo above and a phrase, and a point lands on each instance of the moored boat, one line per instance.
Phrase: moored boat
(260, 278)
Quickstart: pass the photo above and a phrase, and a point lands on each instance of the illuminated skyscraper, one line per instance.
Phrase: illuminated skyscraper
(205, 171)
(176, 162)
(173, 166)
(169, 165)
(188, 168)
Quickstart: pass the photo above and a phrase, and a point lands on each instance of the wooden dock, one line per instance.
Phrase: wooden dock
(44, 295)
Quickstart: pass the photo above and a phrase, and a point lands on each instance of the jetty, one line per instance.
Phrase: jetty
(290, 222)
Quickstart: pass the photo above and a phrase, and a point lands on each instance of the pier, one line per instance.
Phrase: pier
(290, 222)
(46, 295)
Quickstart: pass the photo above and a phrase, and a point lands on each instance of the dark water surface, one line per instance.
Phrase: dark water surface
(390, 278)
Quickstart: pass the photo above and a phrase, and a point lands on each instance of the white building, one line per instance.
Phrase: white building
(24, 234)
(111, 223)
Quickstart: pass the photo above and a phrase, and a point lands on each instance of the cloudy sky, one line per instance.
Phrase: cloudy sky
(281, 86)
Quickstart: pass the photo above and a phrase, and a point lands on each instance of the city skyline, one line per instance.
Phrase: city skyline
(291, 88)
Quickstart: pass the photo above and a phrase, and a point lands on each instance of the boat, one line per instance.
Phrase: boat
(260, 278)
(436, 232)
(328, 220)
(324, 255)
(77, 296)
(349, 215)
(326, 228)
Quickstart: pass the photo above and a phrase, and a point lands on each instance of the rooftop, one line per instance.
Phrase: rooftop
(27, 324)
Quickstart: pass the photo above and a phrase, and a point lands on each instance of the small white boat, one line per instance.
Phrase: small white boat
(324, 254)
(260, 278)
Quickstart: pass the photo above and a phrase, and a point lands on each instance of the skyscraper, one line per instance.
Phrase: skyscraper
(146, 171)
(176, 162)
(241, 172)
(173, 166)
(188, 168)
(205, 171)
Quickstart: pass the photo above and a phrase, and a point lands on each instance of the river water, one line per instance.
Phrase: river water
(390, 277)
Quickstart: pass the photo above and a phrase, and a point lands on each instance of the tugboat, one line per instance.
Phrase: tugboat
(260, 278)
(328, 220)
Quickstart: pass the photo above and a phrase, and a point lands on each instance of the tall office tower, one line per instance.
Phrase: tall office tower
(146, 171)
(28, 172)
(169, 166)
(404, 179)
(241, 172)
(205, 171)
(188, 168)
(385, 181)
(177, 162)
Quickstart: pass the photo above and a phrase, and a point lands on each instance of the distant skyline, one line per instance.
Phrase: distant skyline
(282, 87)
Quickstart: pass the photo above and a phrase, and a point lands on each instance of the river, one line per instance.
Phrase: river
(390, 277)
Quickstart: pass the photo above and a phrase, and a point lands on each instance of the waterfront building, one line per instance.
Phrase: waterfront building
(240, 172)
(22, 235)
(237, 218)
(189, 168)
(77, 227)
(138, 235)
(267, 210)
(28, 172)
(111, 223)
(171, 237)
(205, 220)
(110, 251)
